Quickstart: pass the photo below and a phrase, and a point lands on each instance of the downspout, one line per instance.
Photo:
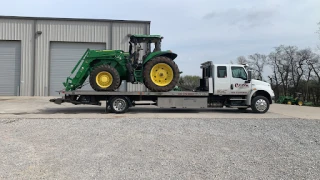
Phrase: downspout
(110, 46)
(33, 56)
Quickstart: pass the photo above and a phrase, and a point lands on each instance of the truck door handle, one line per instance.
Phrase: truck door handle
(231, 86)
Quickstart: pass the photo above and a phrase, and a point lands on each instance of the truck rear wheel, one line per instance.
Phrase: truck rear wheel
(260, 104)
(119, 104)
(161, 74)
(104, 78)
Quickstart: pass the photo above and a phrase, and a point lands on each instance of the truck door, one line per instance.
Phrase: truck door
(238, 81)
(221, 80)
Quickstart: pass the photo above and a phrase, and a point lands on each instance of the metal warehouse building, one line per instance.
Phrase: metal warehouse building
(37, 54)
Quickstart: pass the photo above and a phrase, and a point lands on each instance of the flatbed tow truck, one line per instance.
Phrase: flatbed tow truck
(221, 85)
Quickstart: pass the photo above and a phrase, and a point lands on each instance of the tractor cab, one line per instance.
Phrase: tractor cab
(135, 46)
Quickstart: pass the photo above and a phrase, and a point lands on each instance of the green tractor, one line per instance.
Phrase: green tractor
(290, 100)
(107, 68)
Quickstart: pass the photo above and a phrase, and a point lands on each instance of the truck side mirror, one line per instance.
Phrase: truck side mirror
(249, 77)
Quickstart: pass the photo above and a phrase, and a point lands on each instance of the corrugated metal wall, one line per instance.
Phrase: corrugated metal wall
(22, 30)
(62, 31)
(35, 46)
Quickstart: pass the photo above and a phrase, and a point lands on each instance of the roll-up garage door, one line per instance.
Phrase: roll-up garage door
(10, 63)
(63, 58)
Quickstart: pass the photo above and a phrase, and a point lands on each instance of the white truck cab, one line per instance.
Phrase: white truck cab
(231, 85)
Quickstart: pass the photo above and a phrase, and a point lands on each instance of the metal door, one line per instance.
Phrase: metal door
(221, 80)
(63, 57)
(10, 64)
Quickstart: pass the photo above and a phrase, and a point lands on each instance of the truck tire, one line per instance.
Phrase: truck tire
(260, 104)
(104, 78)
(161, 74)
(119, 104)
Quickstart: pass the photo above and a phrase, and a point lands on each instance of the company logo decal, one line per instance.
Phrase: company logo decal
(241, 85)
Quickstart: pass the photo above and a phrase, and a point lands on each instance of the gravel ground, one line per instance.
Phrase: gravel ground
(127, 148)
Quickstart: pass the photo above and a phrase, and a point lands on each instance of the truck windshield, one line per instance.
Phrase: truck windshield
(239, 72)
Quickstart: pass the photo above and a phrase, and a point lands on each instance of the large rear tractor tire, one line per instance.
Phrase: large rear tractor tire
(161, 74)
(104, 78)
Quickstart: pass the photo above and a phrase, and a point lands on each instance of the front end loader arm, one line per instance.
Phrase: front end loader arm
(81, 75)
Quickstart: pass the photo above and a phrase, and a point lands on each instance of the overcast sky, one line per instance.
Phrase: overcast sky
(198, 30)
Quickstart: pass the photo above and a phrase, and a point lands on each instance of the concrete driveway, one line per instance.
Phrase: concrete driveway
(40, 107)
(42, 140)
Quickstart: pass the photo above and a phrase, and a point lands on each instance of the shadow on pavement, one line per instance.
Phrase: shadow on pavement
(137, 110)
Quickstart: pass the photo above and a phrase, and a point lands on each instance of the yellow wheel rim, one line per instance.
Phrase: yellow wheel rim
(104, 79)
(289, 102)
(161, 74)
(300, 103)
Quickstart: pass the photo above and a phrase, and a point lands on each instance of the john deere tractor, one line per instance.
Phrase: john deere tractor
(107, 68)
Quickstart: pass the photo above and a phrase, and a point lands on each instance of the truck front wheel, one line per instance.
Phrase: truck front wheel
(260, 104)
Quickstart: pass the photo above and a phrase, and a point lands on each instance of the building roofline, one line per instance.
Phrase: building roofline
(72, 19)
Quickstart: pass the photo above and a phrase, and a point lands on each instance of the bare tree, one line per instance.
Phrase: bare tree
(281, 67)
(257, 63)
(275, 79)
(301, 66)
(319, 34)
(314, 64)
(289, 57)
(242, 60)
(309, 63)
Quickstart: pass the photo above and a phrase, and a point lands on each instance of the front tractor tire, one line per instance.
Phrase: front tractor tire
(161, 74)
(104, 78)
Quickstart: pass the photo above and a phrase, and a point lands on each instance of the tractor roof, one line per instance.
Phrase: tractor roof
(145, 38)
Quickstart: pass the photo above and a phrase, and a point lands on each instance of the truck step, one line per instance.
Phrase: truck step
(239, 106)
(237, 99)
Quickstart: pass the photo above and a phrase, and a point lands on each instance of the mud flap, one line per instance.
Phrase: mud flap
(57, 101)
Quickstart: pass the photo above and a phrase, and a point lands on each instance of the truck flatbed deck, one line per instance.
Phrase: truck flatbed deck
(120, 101)
(137, 93)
